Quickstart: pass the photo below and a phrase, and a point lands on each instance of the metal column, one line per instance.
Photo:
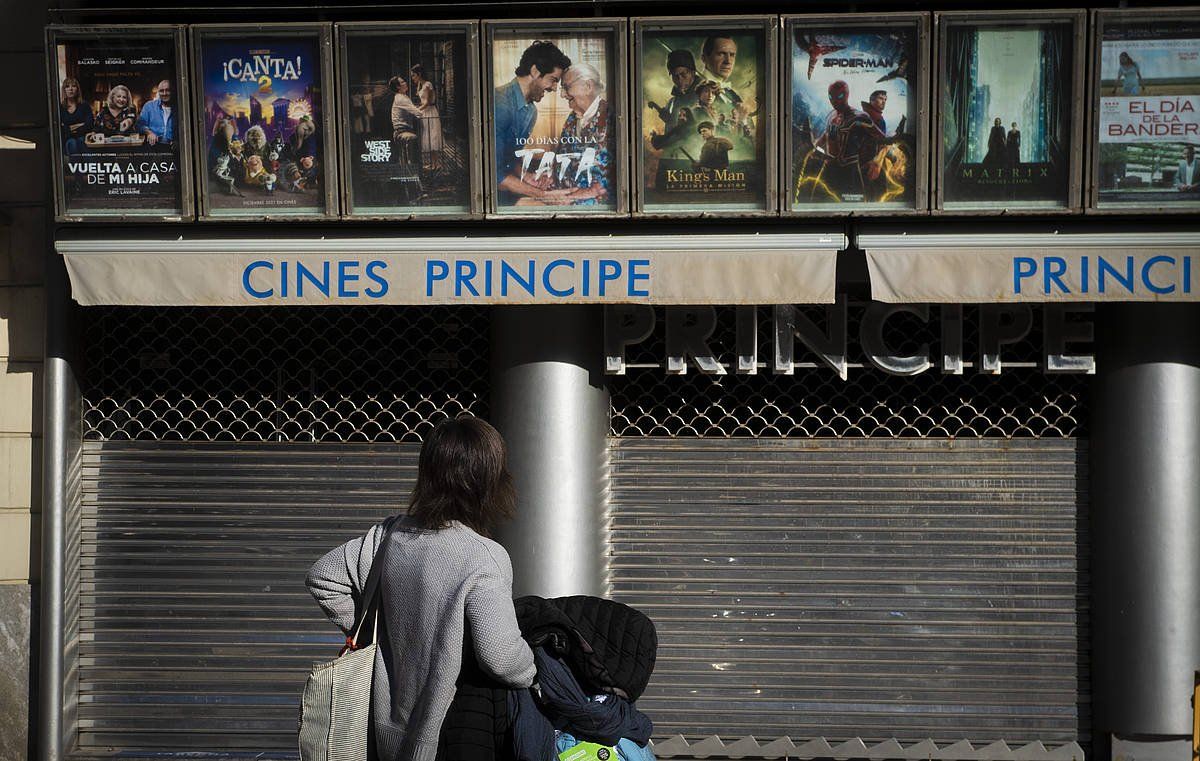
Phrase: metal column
(550, 402)
(1146, 521)
(60, 462)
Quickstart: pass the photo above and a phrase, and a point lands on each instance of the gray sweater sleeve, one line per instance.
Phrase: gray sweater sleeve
(337, 579)
(499, 647)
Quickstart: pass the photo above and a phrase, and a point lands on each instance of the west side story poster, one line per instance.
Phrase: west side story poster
(854, 116)
(553, 122)
(703, 117)
(118, 118)
(1006, 115)
(263, 125)
(407, 108)
(1149, 118)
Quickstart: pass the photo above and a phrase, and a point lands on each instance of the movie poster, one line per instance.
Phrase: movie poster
(854, 118)
(118, 117)
(1149, 114)
(407, 127)
(554, 100)
(1006, 115)
(263, 124)
(704, 117)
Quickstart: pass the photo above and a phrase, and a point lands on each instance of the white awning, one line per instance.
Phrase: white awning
(212, 270)
(984, 268)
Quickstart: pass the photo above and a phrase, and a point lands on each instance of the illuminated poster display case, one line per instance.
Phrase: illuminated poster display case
(263, 115)
(704, 101)
(855, 132)
(1009, 135)
(1145, 112)
(555, 122)
(408, 130)
(119, 113)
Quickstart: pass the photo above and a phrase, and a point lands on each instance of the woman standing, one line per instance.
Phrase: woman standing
(1129, 76)
(431, 121)
(441, 576)
(74, 117)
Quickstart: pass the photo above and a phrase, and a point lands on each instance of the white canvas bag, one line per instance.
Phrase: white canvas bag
(335, 707)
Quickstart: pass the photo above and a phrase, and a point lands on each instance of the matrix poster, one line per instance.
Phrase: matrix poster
(407, 126)
(554, 100)
(263, 124)
(119, 112)
(854, 116)
(703, 115)
(1149, 114)
(1007, 114)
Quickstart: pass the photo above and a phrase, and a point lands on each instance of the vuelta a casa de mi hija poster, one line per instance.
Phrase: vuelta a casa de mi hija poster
(854, 117)
(263, 126)
(1006, 115)
(553, 115)
(1149, 125)
(119, 113)
(703, 119)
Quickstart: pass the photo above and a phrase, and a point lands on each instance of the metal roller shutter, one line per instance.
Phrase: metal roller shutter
(195, 631)
(869, 588)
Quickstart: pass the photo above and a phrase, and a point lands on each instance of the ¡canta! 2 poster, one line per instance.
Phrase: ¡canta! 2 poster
(1006, 114)
(118, 118)
(703, 118)
(407, 103)
(854, 116)
(263, 141)
(1149, 117)
(553, 117)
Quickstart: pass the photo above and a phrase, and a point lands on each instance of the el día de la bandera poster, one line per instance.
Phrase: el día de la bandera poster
(119, 116)
(1007, 114)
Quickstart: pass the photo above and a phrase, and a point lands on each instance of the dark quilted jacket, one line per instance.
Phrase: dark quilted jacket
(610, 646)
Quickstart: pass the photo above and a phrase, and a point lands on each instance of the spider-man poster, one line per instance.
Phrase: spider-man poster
(854, 113)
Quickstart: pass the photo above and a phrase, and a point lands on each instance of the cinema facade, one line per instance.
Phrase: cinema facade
(895, 438)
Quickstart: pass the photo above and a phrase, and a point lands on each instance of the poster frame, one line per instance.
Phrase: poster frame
(618, 28)
(323, 31)
(1096, 39)
(177, 33)
(922, 20)
(470, 29)
(1077, 18)
(770, 24)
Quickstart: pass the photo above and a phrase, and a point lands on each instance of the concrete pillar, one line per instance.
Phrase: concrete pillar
(1145, 495)
(550, 401)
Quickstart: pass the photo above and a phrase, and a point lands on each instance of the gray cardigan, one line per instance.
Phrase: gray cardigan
(433, 582)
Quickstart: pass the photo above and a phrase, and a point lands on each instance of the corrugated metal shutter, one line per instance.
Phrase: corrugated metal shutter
(195, 630)
(858, 588)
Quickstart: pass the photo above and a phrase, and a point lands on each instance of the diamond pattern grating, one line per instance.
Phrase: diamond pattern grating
(280, 373)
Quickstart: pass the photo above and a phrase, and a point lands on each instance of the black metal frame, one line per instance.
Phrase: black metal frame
(1077, 18)
(769, 25)
(618, 102)
(173, 32)
(324, 34)
(919, 83)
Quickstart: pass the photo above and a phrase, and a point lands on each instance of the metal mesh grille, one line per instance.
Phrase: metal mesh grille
(1022, 402)
(281, 373)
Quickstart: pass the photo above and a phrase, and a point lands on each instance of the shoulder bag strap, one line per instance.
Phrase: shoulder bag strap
(369, 601)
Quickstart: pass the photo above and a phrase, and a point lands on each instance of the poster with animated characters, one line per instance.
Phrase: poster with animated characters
(262, 123)
(855, 115)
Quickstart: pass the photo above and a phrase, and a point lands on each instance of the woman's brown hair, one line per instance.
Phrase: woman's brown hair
(462, 475)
